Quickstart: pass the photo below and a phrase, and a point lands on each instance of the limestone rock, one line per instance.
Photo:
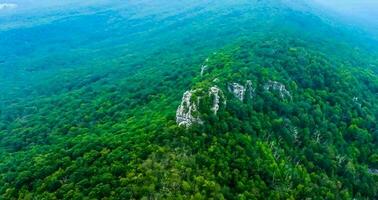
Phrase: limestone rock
(278, 87)
(203, 69)
(216, 94)
(249, 89)
(237, 90)
(373, 171)
(185, 112)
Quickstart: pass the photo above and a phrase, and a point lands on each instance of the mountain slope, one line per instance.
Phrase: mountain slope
(304, 116)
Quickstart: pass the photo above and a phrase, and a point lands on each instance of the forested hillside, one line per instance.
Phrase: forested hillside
(246, 100)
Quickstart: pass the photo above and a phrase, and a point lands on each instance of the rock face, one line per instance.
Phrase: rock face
(184, 113)
(278, 87)
(373, 171)
(203, 69)
(216, 94)
(240, 91)
(237, 90)
(249, 89)
(187, 113)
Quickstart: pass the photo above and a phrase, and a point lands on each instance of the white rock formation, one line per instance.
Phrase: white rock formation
(373, 171)
(237, 90)
(356, 100)
(184, 113)
(203, 68)
(279, 87)
(249, 88)
(240, 91)
(216, 94)
(187, 112)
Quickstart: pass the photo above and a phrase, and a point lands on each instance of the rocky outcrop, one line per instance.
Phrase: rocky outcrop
(216, 94)
(185, 112)
(188, 112)
(203, 69)
(239, 91)
(373, 171)
(278, 87)
(249, 89)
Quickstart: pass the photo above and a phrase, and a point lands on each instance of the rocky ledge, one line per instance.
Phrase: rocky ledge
(239, 90)
(185, 112)
(278, 87)
(188, 112)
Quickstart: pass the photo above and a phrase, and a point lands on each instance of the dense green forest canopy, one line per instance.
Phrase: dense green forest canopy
(285, 97)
